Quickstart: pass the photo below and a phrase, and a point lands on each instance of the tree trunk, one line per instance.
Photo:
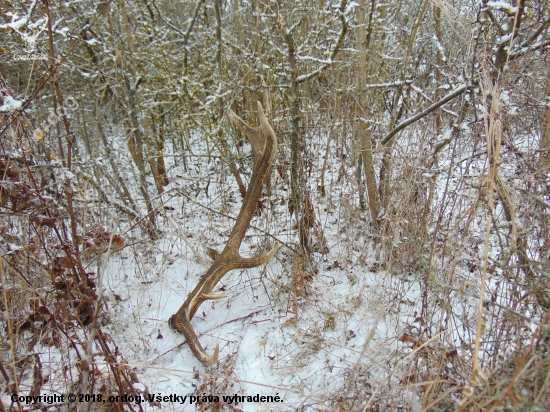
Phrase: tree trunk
(299, 194)
(139, 158)
(364, 126)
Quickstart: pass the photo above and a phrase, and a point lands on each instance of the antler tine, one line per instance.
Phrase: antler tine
(263, 120)
(253, 134)
(264, 147)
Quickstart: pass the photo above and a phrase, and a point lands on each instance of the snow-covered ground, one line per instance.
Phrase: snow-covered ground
(336, 336)
(318, 351)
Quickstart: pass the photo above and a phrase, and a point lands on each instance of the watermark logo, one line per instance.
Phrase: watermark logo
(30, 33)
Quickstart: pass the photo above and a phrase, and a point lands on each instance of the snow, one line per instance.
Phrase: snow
(351, 7)
(394, 84)
(302, 348)
(10, 104)
(345, 316)
(16, 22)
(502, 5)
(504, 39)
(38, 24)
(64, 31)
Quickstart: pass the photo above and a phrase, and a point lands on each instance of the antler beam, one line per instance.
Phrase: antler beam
(264, 148)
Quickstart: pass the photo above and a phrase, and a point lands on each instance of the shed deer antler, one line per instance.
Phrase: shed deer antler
(264, 148)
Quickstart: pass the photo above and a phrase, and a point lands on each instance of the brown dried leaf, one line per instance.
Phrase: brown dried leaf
(66, 262)
(118, 241)
(405, 337)
(420, 319)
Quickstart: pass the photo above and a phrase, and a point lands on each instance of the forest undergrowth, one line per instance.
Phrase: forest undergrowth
(410, 197)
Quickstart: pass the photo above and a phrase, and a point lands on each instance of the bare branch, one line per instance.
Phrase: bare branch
(422, 114)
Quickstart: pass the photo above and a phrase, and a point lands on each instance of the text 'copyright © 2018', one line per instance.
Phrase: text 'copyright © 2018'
(138, 398)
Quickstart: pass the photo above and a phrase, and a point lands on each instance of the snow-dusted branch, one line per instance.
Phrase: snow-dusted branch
(382, 85)
(528, 50)
(422, 114)
(335, 49)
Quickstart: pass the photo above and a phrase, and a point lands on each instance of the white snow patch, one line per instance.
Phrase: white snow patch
(10, 104)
